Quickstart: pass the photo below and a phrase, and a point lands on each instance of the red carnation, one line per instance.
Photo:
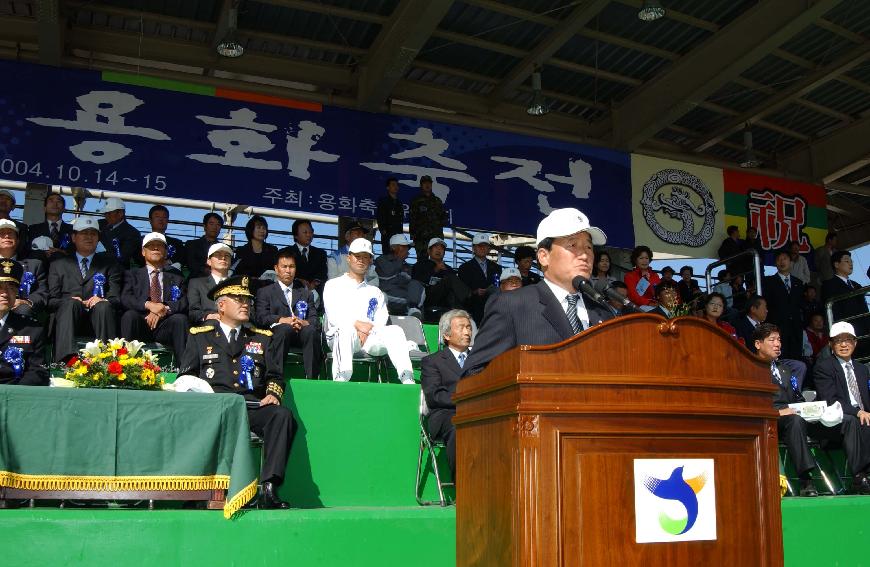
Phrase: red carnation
(72, 361)
(121, 351)
(115, 368)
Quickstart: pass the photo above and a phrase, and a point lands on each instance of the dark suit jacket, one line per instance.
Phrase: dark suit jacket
(15, 333)
(65, 280)
(173, 245)
(312, 269)
(198, 303)
(472, 276)
(845, 308)
(439, 374)
(744, 330)
(129, 242)
(527, 316)
(137, 289)
(784, 311)
(785, 394)
(271, 304)
(196, 253)
(34, 231)
(831, 383)
(39, 289)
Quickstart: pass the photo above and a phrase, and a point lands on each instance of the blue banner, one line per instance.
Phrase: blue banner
(75, 127)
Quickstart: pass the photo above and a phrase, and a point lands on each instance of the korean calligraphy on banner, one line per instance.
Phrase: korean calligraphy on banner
(121, 133)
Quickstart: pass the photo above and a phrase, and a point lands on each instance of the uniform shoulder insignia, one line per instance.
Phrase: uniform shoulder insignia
(262, 331)
(202, 329)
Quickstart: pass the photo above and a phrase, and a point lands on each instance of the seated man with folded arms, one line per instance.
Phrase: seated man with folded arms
(154, 298)
(444, 289)
(290, 314)
(404, 294)
(236, 358)
(22, 343)
(439, 375)
(33, 293)
(84, 287)
(199, 307)
(356, 319)
(792, 428)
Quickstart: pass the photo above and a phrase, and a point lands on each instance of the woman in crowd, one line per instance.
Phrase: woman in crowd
(641, 281)
(601, 278)
(256, 256)
(817, 337)
(714, 307)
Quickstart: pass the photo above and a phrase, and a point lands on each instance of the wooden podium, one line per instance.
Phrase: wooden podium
(547, 437)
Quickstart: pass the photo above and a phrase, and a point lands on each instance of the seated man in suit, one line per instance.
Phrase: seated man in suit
(404, 294)
(196, 251)
(792, 428)
(33, 294)
(200, 307)
(439, 375)
(479, 275)
(839, 379)
(158, 216)
(444, 289)
(667, 296)
(289, 312)
(118, 236)
(83, 287)
(155, 299)
(57, 232)
(756, 313)
(310, 260)
(236, 358)
(7, 205)
(21, 338)
(356, 319)
(550, 311)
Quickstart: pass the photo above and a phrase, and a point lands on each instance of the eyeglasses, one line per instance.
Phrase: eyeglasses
(719, 305)
(241, 300)
(845, 341)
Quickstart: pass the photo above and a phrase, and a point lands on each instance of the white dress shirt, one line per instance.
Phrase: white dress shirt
(562, 295)
(226, 329)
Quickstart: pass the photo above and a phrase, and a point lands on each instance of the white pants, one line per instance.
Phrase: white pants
(389, 339)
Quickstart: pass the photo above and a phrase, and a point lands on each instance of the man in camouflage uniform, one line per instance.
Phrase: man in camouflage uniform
(427, 217)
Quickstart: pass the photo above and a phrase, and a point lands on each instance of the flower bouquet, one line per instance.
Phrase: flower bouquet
(118, 364)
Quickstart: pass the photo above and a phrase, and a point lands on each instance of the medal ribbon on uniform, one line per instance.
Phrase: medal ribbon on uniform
(373, 306)
(170, 251)
(496, 279)
(794, 384)
(99, 283)
(246, 363)
(117, 246)
(27, 282)
(301, 309)
(64, 240)
(15, 358)
(174, 293)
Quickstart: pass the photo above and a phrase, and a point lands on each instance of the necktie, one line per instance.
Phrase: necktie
(233, 335)
(787, 282)
(289, 295)
(55, 235)
(461, 359)
(154, 293)
(775, 371)
(84, 267)
(305, 253)
(853, 384)
(576, 326)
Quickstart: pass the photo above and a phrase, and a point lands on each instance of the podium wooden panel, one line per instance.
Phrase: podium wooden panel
(547, 437)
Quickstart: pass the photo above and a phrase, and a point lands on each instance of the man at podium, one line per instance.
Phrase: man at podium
(551, 310)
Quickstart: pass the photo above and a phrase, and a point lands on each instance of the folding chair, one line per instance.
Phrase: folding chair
(427, 444)
(413, 330)
(257, 443)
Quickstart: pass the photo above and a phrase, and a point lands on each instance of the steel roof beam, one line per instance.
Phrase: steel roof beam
(830, 158)
(51, 32)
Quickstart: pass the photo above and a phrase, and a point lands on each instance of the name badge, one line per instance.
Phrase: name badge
(20, 340)
(642, 286)
(214, 356)
(254, 348)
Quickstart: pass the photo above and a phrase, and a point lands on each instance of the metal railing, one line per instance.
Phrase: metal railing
(756, 264)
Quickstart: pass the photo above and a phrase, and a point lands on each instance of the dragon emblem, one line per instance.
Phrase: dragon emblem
(680, 205)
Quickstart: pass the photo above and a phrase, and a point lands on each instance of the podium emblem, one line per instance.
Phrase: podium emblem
(675, 500)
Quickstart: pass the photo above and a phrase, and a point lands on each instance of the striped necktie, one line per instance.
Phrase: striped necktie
(576, 326)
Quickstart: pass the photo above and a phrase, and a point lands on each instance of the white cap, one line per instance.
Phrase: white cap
(41, 243)
(9, 194)
(360, 245)
(842, 328)
(152, 236)
(7, 223)
(436, 240)
(565, 222)
(219, 247)
(480, 239)
(833, 415)
(508, 273)
(113, 204)
(85, 223)
(400, 240)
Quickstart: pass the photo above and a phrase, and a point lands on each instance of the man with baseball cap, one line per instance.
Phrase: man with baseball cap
(7, 205)
(21, 338)
(117, 235)
(200, 307)
(839, 378)
(404, 294)
(552, 310)
(480, 275)
(444, 289)
(33, 294)
(155, 299)
(83, 288)
(356, 319)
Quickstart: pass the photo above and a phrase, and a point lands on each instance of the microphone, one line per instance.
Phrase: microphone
(582, 285)
(628, 306)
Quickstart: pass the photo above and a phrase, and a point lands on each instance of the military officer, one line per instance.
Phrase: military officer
(233, 356)
(21, 337)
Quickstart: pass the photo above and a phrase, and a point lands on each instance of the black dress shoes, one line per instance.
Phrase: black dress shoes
(808, 489)
(270, 499)
(861, 484)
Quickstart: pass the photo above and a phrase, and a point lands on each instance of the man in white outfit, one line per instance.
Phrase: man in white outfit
(356, 319)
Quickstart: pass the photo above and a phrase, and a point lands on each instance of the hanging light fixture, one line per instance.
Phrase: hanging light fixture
(749, 160)
(229, 46)
(651, 11)
(537, 106)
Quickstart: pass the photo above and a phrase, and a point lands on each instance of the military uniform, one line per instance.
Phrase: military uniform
(427, 220)
(22, 343)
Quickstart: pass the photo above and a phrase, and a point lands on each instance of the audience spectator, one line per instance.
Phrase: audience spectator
(310, 260)
(667, 274)
(841, 262)
(690, 292)
(817, 336)
(83, 288)
(257, 256)
(117, 236)
(810, 305)
(33, 293)
(356, 319)
(200, 307)
(724, 287)
(641, 281)
(667, 298)
(158, 216)
(755, 314)
(289, 312)
(799, 267)
(752, 242)
(839, 379)
(390, 214)
(196, 251)
(784, 294)
(154, 298)
(7, 205)
(439, 374)
(404, 294)
(714, 308)
(823, 257)
(27, 336)
(622, 290)
(444, 289)
(427, 217)
(524, 256)
(336, 262)
(509, 280)
(739, 296)
(732, 246)
(56, 241)
(601, 278)
(479, 274)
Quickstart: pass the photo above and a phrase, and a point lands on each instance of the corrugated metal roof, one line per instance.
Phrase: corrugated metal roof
(817, 45)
